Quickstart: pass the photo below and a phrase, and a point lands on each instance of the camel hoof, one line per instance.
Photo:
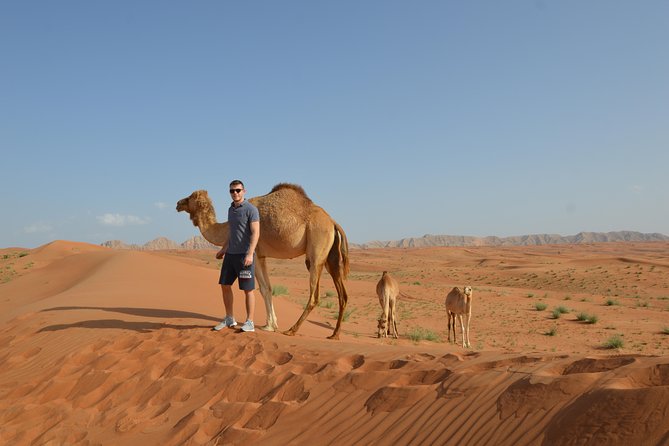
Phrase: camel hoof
(334, 336)
(267, 328)
(289, 333)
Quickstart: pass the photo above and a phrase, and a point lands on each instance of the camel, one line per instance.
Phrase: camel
(291, 225)
(387, 289)
(459, 303)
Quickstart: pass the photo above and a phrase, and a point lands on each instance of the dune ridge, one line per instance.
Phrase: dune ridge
(114, 347)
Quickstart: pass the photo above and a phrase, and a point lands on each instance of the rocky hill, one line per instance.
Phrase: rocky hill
(162, 243)
(198, 242)
(521, 240)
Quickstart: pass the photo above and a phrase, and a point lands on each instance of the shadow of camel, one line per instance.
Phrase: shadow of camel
(320, 324)
(141, 327)
(143, 312)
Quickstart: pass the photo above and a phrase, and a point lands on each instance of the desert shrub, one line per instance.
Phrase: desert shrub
(665, 330)
(552, 331)
(419, 333)
(588, 318)
(614, 342)
(540, 306)
(327, 304)
(559, 311)
(278, 290)
(330, 293)
(611, 302)
(347, 314)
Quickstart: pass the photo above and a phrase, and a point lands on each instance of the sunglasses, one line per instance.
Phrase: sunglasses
(232, 191)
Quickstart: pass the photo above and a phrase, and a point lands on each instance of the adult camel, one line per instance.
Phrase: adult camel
(290, 225)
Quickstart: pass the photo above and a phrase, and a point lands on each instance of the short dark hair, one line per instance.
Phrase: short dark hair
(235, 182)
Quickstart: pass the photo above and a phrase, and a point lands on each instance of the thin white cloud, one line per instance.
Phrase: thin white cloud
(38, 228)
(121, 220)
(160, 205)
(637, 188)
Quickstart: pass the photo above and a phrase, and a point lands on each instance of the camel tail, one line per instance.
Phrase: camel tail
(340, 250)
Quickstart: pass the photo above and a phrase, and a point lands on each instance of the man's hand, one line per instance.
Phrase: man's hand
(220, 254)
(248, 260)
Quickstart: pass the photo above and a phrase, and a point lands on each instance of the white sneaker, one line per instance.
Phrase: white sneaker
(229, 321)
(248, 326)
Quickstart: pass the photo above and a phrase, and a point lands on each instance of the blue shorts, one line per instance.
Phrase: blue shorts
(233, 268)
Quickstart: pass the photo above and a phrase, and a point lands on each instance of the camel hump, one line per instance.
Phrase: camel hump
(296, 187)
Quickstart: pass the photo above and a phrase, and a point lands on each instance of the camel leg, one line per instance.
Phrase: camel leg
(314, 279)
(468, 317)
(393, 318)
(266, 292)
(450, 315)
(462, 329)
(343, 300)
(385, 316)
(332, 266)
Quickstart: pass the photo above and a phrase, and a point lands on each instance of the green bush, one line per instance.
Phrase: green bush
(278, 290)
(614, 342)
(418, 334)
(552, 331)
(587, 318)
(540, 306)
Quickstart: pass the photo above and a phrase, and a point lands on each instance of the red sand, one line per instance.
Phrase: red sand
(114, 347)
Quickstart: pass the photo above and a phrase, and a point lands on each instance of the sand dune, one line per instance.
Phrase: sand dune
(114, 347)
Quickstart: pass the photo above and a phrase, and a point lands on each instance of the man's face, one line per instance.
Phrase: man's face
(237, 192)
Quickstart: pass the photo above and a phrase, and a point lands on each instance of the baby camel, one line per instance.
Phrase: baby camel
(459, 303)
(387, 289)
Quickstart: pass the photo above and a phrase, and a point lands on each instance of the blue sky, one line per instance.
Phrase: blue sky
(399, 118)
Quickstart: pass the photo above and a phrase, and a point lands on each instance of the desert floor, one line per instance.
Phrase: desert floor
(570, 345)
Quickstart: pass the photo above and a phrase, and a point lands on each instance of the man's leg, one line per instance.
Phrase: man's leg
(250, 304)
(228, 299)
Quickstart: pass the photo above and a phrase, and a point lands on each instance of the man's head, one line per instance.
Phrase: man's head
(237, 191)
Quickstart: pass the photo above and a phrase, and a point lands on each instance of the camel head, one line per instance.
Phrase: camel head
(198, 205)
(468, 291)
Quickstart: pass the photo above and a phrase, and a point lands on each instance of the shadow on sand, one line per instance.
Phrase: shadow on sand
(139, 326)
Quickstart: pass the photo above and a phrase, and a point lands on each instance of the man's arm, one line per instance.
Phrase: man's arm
(221, 252)
(255, 235)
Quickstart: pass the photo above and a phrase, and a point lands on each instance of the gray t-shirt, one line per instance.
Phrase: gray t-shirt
(239, 221)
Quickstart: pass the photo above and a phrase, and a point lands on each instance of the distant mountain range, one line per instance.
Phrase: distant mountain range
(520, 240)
(160, 243)
(198, 242)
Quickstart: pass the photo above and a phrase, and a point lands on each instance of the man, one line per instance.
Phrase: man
(239, 256)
